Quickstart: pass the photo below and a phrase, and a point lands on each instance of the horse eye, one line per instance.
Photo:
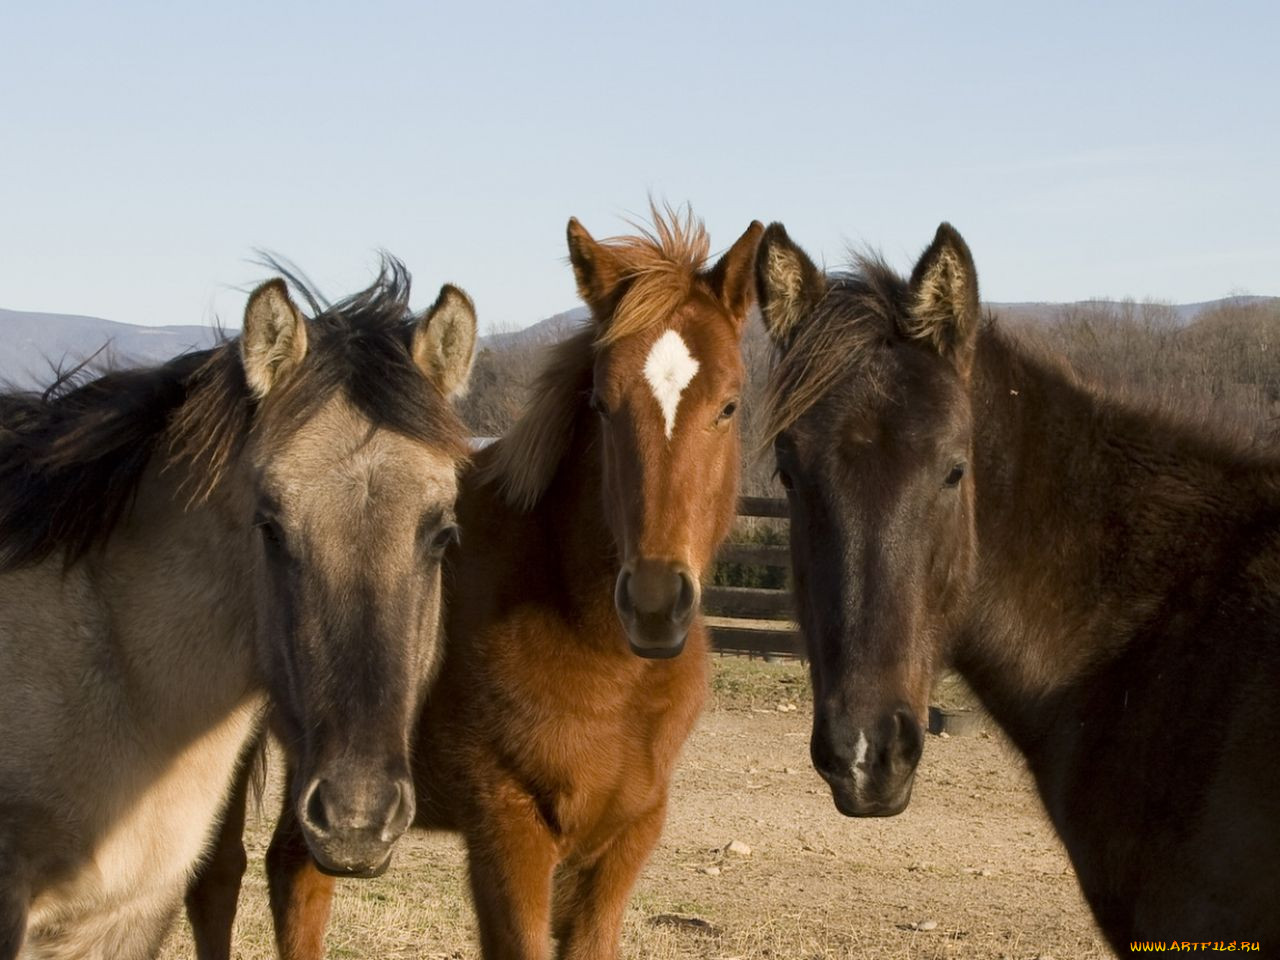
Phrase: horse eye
(270, 530)
(784, 478)
(444, 538)
(729, 410)
(597, 405)
(955, 475)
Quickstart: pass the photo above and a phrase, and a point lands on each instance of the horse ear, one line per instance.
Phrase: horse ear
(597, 269)
(788, 284)
(444, 341)
(731, 278)
(274, 339)
(944, 297)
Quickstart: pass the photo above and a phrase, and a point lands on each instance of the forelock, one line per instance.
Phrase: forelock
(858, 313)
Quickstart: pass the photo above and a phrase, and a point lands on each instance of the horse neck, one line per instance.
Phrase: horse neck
(572, 512)
(1088, 515)
(174, 582)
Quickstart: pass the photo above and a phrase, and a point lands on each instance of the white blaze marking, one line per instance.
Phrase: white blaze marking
(669, 369)
(858, 768)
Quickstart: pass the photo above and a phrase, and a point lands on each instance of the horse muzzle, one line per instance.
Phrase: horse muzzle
(870, 769)
(351, 824)
(656, 602)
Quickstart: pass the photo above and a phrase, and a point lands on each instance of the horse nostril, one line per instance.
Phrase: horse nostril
(622, 594)
(688, 597)
(315, 814)
(400, 815)
(824, 758)
(908, 739)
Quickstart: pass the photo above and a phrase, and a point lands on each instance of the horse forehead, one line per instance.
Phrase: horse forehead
(340, 461)
(668, 370)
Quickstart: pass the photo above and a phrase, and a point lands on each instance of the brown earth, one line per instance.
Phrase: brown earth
(973, 854)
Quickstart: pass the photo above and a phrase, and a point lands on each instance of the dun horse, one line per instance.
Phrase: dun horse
(1106, 577)
(576, 660)
(264, 518)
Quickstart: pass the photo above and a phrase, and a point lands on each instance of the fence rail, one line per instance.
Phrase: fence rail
(754, 620)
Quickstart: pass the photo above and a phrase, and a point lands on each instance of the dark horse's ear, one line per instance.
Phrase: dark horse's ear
(787, 282)
(597, 269)
(444, 341)
(274, 339)
(731, 278)
(944, 298)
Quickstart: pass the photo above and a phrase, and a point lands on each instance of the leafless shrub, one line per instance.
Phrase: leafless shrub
(1222, 364)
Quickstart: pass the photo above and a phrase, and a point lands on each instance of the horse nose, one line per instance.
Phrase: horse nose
(351, 824)
(660, 588)
(870, 768)
(656, 602)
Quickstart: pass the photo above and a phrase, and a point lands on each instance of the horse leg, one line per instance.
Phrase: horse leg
(589, 908)
(13, 915)
(301, 896)
(511, 856)
(215, 890)
(15, 897)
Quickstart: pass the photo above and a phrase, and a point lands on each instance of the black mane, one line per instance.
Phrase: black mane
(72, 455)
(857, 313)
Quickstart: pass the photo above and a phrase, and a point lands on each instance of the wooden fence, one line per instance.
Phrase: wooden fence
(752, 620)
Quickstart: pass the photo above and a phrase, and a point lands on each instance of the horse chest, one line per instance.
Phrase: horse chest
(618, 767)
(122, 893)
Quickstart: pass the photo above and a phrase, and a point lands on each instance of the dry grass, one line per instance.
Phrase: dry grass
(815, 886)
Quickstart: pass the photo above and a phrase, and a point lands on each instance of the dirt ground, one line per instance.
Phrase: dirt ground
(970, 870)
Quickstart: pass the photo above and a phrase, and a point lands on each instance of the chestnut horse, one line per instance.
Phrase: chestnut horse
(1105, 576)
(576, 659)
(176, 548)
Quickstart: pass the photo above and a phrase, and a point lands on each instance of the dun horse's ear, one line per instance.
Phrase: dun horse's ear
(731, 279)
(788, 284)
(274, 340)
(597, 269)
(944, 297)
(444, 341)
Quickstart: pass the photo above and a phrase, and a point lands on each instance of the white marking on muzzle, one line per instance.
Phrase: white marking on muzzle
(668, 370)
(858, 768)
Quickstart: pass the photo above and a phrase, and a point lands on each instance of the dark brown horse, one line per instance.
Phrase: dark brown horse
(1106, 577)
(576, 661)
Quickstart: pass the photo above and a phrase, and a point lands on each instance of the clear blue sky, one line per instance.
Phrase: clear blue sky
(1084, 149)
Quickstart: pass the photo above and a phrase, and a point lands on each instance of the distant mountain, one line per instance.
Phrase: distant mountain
(544, 331)
(1184, 312)
(33, 344)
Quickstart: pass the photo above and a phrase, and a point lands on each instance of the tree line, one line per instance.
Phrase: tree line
(1222, 367)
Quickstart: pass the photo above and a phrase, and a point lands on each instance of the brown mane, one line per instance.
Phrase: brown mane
(523, 462)
(662, 265)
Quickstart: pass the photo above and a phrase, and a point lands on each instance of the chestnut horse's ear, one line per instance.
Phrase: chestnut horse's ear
(597, 269)
(274, 339)
(788, 284)
(444, 341)
(731, 278)
(945, 310)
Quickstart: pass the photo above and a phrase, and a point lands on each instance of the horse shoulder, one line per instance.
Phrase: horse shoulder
(104, 816)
